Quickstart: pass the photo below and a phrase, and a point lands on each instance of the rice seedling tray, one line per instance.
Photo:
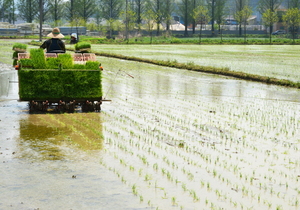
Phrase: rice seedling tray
(63, 88)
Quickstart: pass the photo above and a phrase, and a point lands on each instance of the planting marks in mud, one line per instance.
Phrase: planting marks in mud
(176, 148)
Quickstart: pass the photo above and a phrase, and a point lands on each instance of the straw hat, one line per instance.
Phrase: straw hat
(55, 33)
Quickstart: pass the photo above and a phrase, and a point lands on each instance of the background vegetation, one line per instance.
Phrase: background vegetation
(129, 17)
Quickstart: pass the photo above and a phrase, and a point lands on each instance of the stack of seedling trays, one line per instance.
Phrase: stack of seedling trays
(56, 81)
(83, 47)
(18, 48)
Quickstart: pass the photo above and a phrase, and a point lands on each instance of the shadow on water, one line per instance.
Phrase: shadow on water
(42, 136)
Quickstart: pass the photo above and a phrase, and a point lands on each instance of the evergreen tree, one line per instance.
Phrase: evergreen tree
(168, 8)
(240, 5)
(269, 18)
(28, 10)
(8, 11)
(86, 8)
(138, 7)
(56, 10)
(185, 8)
(220, 13)
(201, 15)
(110, 11)
(272, 5)
(292, 19)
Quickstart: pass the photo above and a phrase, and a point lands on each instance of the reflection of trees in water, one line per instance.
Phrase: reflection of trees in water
(4, 84)
(43, 135)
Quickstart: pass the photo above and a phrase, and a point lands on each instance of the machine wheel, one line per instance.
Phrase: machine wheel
(33, 106)
(71, 106)
(62, 107)
(87, 106)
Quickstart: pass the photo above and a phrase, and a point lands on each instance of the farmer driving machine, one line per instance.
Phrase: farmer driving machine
(61, 82)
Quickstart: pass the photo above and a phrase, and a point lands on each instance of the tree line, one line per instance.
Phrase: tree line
(126, 15)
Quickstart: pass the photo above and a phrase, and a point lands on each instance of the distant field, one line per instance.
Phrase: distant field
(280, 61)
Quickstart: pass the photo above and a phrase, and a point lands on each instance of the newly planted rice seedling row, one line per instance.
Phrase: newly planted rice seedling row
(185, 149)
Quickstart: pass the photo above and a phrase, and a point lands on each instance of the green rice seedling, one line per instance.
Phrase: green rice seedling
(79, 66)
(52, 63)
(83, 46)
(19, 47)
(15, 58)
(169, 176)
(184, 187)
(208, 186)
(38, 58)
(123, 179)
(26, 63)
(66, 60)
(131, 168)
(134, 190)
(155, 166)
(194, 195)
(92, 65)
(174, 203)
(147, 177)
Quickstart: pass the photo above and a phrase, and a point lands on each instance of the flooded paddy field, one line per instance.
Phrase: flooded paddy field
(169, 139)
(279, 61)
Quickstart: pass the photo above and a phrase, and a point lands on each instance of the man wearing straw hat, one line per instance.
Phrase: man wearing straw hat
(54, 45)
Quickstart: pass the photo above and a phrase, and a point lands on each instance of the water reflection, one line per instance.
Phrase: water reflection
(44, 136)
(192, 85)
(7, 80)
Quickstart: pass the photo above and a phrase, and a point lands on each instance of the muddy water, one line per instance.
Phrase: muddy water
(46, 161)
(109, 160)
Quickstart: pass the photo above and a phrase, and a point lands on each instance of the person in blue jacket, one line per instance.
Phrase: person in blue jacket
(54, 45)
